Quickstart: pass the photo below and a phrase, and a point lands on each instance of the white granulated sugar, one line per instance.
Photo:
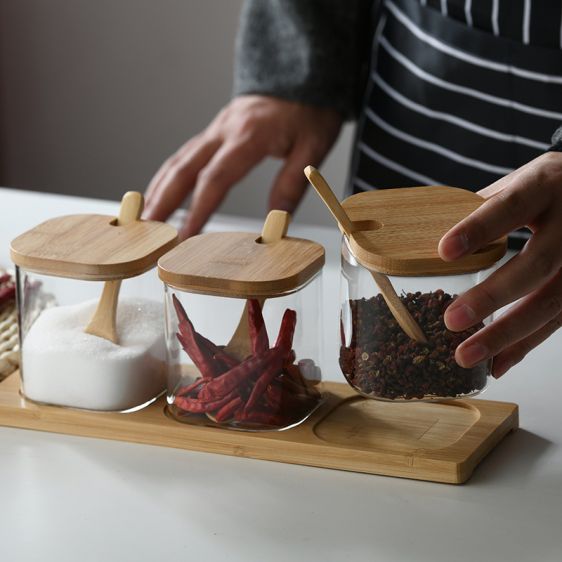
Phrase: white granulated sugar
(63, 365)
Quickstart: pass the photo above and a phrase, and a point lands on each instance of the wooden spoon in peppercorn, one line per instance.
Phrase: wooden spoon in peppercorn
(396, 306)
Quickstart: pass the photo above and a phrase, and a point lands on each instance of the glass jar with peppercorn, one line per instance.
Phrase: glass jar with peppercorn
(395, 290)
(242, 328)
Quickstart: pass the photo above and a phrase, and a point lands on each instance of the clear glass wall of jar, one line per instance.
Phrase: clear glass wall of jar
(380, 361)
(91, 332)
(271, 385)
(243, 317)
(64, 366)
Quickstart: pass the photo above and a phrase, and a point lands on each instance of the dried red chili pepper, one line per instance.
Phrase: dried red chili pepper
(274, 396)
(206, 366)
(196, 406)
(287, 331)
(205, 345)
(244, 371)
(7, 294)
(228, 410)
(180, 311)
(264, 418)
(295, 373)
(216, 352)
(8, 291)
(288, 383)
(185, 390)
(296, 401)
(277, 393)
(191, 342)
(258, 332)
(265, 379)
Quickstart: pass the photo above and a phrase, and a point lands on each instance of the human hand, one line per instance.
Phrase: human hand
(244, 132)
(530, 196)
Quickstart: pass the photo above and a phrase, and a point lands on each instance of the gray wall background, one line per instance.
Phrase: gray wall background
(94, 95)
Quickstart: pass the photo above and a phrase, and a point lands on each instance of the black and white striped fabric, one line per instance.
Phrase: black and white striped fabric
(461, 92)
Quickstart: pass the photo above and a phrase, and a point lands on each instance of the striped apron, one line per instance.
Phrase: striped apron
(460, 93)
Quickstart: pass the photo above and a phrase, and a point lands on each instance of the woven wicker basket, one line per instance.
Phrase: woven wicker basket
(9, 341)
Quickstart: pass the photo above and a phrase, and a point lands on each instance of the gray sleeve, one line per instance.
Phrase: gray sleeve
(311, 51)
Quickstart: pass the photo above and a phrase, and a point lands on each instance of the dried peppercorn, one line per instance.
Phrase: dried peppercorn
(380, 360)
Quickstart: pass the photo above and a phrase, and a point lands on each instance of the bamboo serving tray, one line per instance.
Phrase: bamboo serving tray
(440, 442)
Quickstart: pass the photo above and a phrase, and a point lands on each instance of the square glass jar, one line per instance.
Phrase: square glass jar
(63, 365)
(91, 332)
(377, 357)
(242, 317)
(271, 385)
(395, 289)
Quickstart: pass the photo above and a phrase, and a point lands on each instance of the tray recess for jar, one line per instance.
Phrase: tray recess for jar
(439, 442)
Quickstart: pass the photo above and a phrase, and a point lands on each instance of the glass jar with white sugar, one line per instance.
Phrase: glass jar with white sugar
(90, 312)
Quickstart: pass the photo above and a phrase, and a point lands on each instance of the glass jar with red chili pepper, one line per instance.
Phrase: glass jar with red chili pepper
(395, 290)
(242, 327)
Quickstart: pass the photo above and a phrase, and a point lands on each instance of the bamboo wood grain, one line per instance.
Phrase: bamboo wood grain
(440, 442)
(274, 229)
(396, 306)
(92, 247)
(104, 320)
(410, 223)
(236, 264)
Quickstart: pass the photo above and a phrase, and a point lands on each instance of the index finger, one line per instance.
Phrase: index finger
(175, 180)
(230, 163)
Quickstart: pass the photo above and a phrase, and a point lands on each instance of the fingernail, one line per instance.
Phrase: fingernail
(459, 317)
(455, 246)
(472, 354)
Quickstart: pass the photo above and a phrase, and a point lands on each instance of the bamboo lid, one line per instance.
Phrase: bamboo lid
(399, 230)
(92, 247)
(240, 264)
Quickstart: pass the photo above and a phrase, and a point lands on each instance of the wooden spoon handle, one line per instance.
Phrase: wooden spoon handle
(104, 320)
(330, 199)
(398, 308)
(274, 229)
(132, 205)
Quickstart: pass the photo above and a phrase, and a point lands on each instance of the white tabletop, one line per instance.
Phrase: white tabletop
(67, 498)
